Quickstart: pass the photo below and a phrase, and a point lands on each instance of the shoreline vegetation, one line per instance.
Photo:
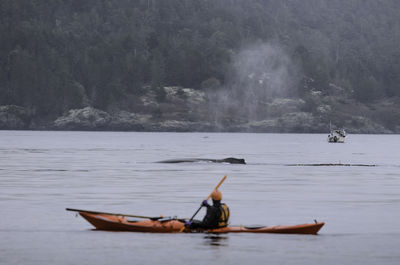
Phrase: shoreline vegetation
(218, 66)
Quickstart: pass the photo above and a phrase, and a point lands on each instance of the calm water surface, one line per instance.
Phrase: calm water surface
(42, 173)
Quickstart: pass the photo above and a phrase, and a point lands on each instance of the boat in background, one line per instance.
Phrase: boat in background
(336, 136)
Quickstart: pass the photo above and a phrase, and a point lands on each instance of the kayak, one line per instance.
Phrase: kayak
(112, 222)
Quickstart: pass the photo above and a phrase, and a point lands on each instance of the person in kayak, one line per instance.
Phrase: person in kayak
(217, 215)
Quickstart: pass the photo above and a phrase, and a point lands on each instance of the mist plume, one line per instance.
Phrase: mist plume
(259, 74)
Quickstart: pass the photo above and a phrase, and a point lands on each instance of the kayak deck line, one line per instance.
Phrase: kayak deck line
(111, 222)
(116, 214)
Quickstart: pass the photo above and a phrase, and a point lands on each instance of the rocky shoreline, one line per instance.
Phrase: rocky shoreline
(188, 110)
(91, 119)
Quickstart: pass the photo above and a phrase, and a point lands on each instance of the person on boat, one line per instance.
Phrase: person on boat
(217, 215)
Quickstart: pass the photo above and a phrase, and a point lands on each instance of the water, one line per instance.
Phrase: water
(42, 173)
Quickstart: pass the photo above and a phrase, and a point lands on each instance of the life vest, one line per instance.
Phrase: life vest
(224, 217)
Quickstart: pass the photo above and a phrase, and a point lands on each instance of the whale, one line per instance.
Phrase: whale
(229, 160)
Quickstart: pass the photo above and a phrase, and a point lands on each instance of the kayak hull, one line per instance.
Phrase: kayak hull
(121, 223)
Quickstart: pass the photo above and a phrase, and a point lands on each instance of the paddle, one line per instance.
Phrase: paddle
(208, 197)
(129, 215)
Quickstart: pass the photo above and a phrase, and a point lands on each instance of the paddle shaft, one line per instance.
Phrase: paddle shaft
(216, 187)
(120, 214)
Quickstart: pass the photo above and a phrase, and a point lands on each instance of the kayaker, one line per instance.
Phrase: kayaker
(217, 214)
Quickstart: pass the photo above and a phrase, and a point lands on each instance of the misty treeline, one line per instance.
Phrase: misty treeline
(63, 54)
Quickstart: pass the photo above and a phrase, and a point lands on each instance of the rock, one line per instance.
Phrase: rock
(358, 124)
(128, 121)
(182, 95)
(183, 126)
(14, 117)
(83, 119)
(280, 106)
(263, 126)
(287, 123)
(296, 122)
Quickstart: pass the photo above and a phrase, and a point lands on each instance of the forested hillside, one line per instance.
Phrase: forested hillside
(310, 61)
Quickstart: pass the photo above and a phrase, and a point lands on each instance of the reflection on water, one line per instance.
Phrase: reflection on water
(216, 240)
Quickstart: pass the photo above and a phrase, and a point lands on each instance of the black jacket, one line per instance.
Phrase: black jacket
(211, 219)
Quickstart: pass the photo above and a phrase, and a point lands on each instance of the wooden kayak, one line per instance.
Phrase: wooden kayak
(112, 222)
